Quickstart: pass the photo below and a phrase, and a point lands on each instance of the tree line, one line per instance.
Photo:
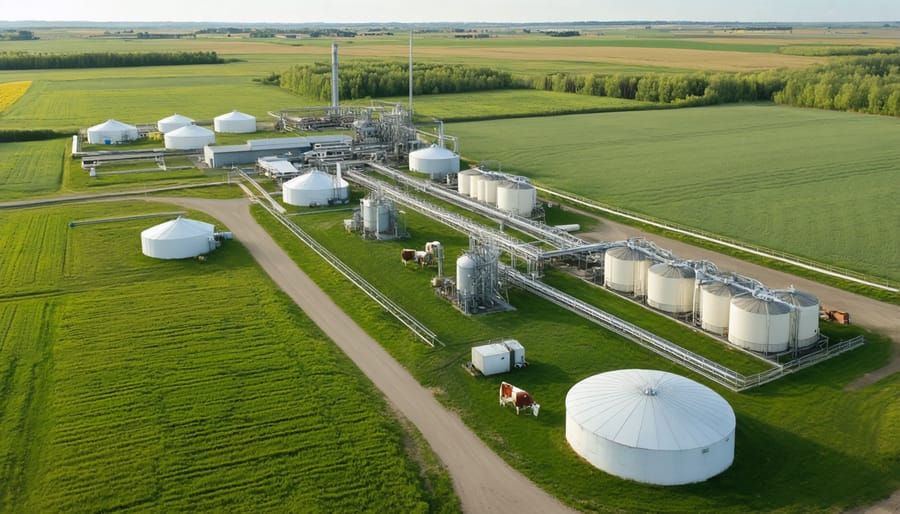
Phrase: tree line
(12, 136)
(869, 84)
(35, 61)
(377, 80)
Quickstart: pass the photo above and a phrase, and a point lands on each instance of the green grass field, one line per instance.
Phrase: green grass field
(814, 183)
(779, 425)
(128, 383)
(32, 168)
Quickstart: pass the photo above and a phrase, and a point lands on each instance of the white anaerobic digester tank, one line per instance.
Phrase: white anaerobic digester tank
(715, 305)
(435, 161)
(625, 270)
(189, 137)
(650, 426)
(670, 287)
(315, 188)
(759, 324)
(464, 180)
(173, 122)
(806, 312)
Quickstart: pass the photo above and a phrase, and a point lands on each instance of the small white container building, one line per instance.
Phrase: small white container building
(491, 359)
(111, 132)
(178, 239)
(650, 426)
(234, 122)
(189, 137)
(173, 122)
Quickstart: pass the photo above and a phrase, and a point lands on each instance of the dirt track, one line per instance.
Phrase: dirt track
(483, 481)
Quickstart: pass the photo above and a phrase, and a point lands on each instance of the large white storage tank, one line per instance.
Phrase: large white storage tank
(650, 426)
(314, 188)
(670, 287)
(234, 122)
(173, 122)
(111, 132)
(376, 214)
(516, 197)
(466, 274)
(760, 324)
(474, 182)
(435, 161)
(625, 270)
(806, 314)
(715, 305)
(464, 180)
(487, 189)
(178, 239)
(189, 137)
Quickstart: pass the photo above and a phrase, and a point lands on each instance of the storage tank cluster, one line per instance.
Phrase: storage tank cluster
(376, 218)
(749, 315)
(513, 196)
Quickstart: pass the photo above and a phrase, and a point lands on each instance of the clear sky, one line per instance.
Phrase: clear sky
(374, 11)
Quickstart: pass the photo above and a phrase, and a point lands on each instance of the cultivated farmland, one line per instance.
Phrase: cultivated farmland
(12, 91)
(33, 168)
(818, 184)
(173, 386)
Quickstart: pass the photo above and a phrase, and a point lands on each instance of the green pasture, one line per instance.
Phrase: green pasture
(31, 168)
(128, 383)
(796, 448)
(818, 184)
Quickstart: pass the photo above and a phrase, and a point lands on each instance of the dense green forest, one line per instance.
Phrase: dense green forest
(37, 61)
(868, 84)
(377, 80)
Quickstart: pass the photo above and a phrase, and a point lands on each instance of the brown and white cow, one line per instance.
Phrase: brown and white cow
(518, 397)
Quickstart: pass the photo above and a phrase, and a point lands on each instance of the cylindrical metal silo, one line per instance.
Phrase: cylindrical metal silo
(490, 185)
(369, 209)
(474, 181)
(466, 274)
(715, 304)
(516, 197)
(625, 270)
(670, 288)
(759, 324)
(464, 180)
(805, 325)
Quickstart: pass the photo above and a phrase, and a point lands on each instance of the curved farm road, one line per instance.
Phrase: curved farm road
(484, 482)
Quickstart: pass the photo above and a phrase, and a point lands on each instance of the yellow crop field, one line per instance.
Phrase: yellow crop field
(12, 91)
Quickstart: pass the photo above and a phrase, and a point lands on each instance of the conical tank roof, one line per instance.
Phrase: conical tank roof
(179, 228)
(433, 152)
(177, 118)
(667, 270)
(191, 131)
(235, 115)
(314, 180)
(111, 124)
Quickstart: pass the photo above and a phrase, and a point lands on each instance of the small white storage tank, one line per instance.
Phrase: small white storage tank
(466, 274)
(491, 359)
(173, 122)
(650, 426)
(435, 161)
(806, 312)
(516, 197)
(189, 137)
(715, 305)
(670, 287)
(234, 122)
(464, 180)
(474, 183)
(759, 324)
(314, 188)
(625, 270)
(111, 132)
(376, 214)
(487, 189)
(178, 239)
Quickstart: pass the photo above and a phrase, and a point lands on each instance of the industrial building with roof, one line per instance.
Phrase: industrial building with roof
(650, 426)
(231, 155)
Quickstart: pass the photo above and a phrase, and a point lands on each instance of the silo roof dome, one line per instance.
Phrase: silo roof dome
(176, 118)
(179, 228)
(112, 124)
(433, 152)
(190, 131)
(314, 180)
(649, 409)
(235, 115)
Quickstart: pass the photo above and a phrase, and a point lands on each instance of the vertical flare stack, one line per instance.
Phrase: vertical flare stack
(334, 76)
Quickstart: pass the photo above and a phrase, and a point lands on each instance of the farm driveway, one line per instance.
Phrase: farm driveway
(483, 481)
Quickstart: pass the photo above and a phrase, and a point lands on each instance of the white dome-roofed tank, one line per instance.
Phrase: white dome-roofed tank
(625, 270)
(178, 239)
(435, 161)
(670, 287)
(466, 272)
(175, 121)
(112, 132)
(516, 197)
(650, 426)
(234, 122)
(189, 137)
(715, 305)
(313, 188)
(464, 180)
(806, 311)
(759, 324)
(474, 184)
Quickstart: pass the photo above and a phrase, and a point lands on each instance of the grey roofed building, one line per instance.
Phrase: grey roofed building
(230, 155)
